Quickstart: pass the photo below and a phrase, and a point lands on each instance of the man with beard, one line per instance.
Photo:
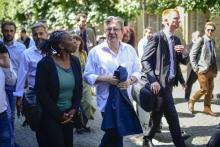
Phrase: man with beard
(15, 50)
(87, 34)
(28, 63)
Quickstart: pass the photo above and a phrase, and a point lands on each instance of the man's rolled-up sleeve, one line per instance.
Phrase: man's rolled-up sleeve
(90, 74)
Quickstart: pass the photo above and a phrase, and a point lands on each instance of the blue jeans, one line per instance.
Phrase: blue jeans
(6, 135)
(12, 102)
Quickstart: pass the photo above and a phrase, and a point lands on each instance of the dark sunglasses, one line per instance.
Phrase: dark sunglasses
(210, 30)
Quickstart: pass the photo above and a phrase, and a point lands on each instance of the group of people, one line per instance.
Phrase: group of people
(60, 68)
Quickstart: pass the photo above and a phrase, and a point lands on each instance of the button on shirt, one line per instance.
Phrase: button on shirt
(103, 61)
(27, 69)
(171, 44)
(15, 50)
(7, 76)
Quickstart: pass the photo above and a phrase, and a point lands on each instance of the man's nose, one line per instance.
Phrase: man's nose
(38, 36)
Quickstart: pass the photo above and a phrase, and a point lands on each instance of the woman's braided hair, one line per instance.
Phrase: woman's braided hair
(51, 45)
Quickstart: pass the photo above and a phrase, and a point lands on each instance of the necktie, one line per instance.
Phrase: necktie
(172, 58)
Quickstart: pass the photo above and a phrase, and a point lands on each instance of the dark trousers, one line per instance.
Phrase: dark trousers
(170, 113)
(54, 134)
(111, 139)
(191, 79)
(215, 139)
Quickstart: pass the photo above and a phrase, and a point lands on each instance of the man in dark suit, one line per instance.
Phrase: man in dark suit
(191, 75)
(159, 63)
(203, 61)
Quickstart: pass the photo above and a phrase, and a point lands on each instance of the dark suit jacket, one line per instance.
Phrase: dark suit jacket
(202, 63)
(155, 60)
(47, 86)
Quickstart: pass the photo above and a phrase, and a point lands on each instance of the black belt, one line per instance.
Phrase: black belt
(2, 113)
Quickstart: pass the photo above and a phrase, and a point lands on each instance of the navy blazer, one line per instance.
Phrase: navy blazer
(47, 86)
(156, 59)
(119, 112)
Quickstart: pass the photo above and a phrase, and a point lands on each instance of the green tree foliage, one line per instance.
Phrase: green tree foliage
(61, 13)
(7, 9)
(157, 6)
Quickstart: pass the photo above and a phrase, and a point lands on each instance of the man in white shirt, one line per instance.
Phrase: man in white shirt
(28, 66)
(28, 62)
(148, 32)
(15, 50)
(102, 61)
(7, 76)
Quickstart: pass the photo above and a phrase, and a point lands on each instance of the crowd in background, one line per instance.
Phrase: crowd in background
(61, 71)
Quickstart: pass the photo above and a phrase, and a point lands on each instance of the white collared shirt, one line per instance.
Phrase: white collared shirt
(15, 51)
(141, 44)
(7, 76)
(103, 61)
(27, 69)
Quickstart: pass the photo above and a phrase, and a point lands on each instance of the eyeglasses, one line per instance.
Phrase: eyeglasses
(114, 29)
(210, 30)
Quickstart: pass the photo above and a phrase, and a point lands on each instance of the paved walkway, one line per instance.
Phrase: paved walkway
(199, 126)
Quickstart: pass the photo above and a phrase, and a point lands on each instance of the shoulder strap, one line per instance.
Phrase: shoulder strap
(200, 49)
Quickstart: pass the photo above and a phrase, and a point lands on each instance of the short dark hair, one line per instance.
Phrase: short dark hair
(23, 30)
(10, 23)
(80, 15)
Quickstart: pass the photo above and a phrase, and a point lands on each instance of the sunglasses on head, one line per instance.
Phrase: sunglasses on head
(210, 30)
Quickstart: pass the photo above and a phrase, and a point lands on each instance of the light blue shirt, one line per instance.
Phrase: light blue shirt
(103, 61)
(15, 50)
(32, 43)
(27, 69)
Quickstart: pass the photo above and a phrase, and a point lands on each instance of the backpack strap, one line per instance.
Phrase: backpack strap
(200, 49)
(158, 55)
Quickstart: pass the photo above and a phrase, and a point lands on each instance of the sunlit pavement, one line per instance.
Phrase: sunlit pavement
(198, 125)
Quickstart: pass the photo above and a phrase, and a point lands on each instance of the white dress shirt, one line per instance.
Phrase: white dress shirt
(15, 50)
(141, 44)
(27, 69)
(7, 76)
(103, 61)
